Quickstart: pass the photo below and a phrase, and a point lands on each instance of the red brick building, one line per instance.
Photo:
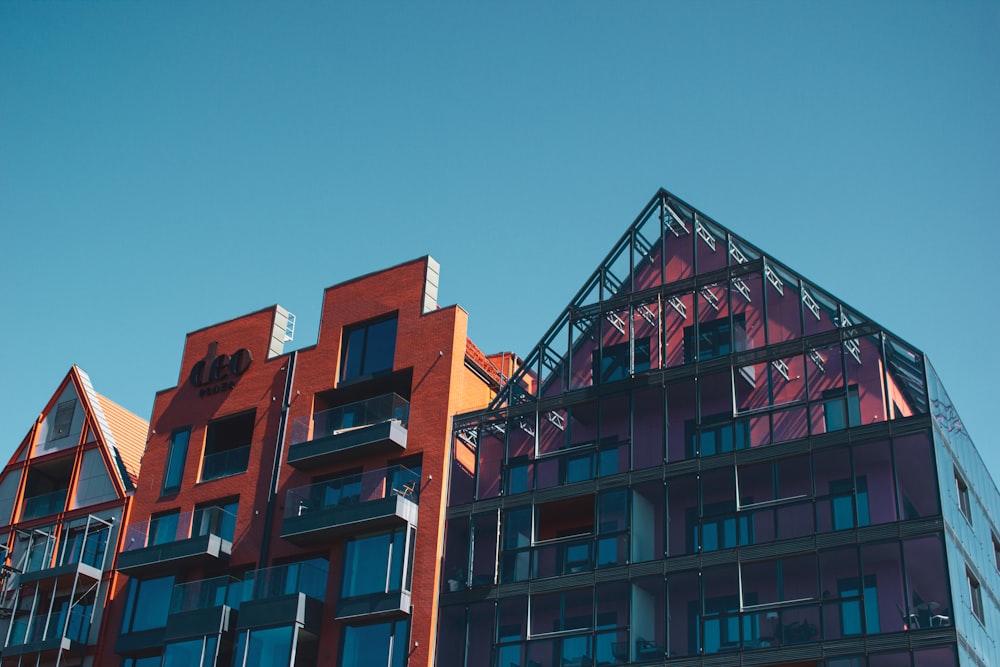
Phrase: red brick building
(290, 509)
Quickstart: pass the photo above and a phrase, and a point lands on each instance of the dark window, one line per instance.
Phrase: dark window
(612, 363)
(64, 419)
(227, 446)
(996, 552)
(851, 609)
(173, 474)
(843, 493)
(379, 644)
(147, 604)
(841, 409)
(719, 433)
(963, 496)
(715, 338)
(369, 349)
(217, 518)
(164, 527)
(976, 596)
(377, 564)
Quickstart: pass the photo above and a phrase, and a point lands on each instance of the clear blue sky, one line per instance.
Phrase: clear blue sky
(168, 165)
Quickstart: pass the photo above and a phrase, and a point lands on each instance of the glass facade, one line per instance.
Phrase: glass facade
(707, 454)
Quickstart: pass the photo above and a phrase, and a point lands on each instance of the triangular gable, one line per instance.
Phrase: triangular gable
(77, 414)
(675, 274)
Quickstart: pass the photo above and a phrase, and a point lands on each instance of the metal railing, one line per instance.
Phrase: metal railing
(353, 490)
(206, 594)
(176, 527)
(353, 415)
(225, 463)
(308, 577)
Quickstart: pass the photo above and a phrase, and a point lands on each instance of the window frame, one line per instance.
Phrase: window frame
(975, 596)
(176, 461)
(359, 334)
(964, 501)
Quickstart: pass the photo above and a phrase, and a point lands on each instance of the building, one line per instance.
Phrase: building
(708, 460)
(64, 495)
(291, 505)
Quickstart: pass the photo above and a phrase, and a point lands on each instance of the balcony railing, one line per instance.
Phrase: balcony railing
(374, 426)
(292, 593)
(166, 542)
(308, 578)
(225, 463)
(388, 407)
(350, 490)
(49, 628)
(169, 528)
(206, 594)
(45, 504)
(370, 499)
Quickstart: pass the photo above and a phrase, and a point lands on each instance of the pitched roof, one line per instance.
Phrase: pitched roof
(635, 273)
(123, 432)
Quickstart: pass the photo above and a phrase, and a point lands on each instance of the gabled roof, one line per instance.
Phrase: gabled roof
(636, 274)
(120, 433)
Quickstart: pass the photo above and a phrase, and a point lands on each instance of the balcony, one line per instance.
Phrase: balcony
(44, 504)
(367, 501)
(204, 607)
(82, 553)
(170, 542)
(374, 426)
(225, 463)
(47, 632)
(286, 594)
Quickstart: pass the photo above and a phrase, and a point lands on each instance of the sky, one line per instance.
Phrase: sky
(165, 166)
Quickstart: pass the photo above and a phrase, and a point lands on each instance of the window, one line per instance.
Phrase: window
(217, 518)
(192, 653)
(843, 492)
(227, 446)
(176, 455)
(378, 564)
(850, 610)
(150, 661)
(147, 604)
(266, 647)
(719, 433)
(163, 527)
(383, 644)
(714, 339)
(996, 552)
(368, 349)
(963, 496)
(612, 363)
(841, 409)
(975, 596)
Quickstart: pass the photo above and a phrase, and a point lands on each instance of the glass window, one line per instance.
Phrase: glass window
(996, 552)
(612, 363)
(192, 653)
(375, 564)
(147, 604)
(268, 647)
(975, 596)
(217, 518)
(173, 474)
(714, 338)
(227, 446)
(368, 349)
(378, 645)
(841, 410)
(163, 527)
(151, 661)
(963, 496)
